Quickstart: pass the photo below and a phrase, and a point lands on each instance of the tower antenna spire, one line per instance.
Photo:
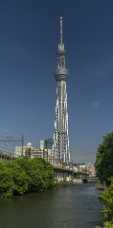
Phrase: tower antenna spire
(61, 136)
(61, 30)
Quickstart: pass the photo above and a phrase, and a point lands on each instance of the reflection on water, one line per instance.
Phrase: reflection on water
(74, 206)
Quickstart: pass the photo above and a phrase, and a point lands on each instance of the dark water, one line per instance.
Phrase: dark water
(67, 207)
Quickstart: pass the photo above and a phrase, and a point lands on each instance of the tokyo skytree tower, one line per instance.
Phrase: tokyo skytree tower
(61, 136)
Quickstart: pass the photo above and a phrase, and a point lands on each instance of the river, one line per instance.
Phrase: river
(75, 206)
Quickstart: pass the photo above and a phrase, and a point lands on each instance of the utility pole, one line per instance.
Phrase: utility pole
(22, 145)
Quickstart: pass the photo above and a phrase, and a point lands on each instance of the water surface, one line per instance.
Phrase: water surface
(74, 206)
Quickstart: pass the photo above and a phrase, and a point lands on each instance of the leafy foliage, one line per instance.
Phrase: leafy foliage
(104, 169)
(108, 225)
(25, 175)
(6, 181)
(107, 199)
(104, 159)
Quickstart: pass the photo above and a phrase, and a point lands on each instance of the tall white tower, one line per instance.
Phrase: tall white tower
(61, 136)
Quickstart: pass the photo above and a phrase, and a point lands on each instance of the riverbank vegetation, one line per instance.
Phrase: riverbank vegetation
(104, 169)
(24, 175)
(107, 199)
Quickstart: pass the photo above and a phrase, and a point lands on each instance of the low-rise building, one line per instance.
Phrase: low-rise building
(33, 152)
(21, 150)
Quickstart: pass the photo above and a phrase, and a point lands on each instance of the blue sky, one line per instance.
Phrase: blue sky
(28, 43)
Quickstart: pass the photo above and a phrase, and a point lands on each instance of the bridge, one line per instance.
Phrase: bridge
(4, 155)
(8, 144)
(63, 173)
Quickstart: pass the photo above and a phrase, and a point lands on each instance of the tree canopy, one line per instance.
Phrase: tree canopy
(25, 175)
(107, 198)
(104, 159)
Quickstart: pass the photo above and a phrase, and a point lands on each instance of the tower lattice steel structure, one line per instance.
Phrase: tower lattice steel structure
(61, 135)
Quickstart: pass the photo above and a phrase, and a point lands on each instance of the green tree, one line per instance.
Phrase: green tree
(25, 175)
(108, 225)
(107, 199)
(6, 181)
(104, 159)
(41, 175)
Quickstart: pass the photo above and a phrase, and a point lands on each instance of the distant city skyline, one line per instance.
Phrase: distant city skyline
(28, 42)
